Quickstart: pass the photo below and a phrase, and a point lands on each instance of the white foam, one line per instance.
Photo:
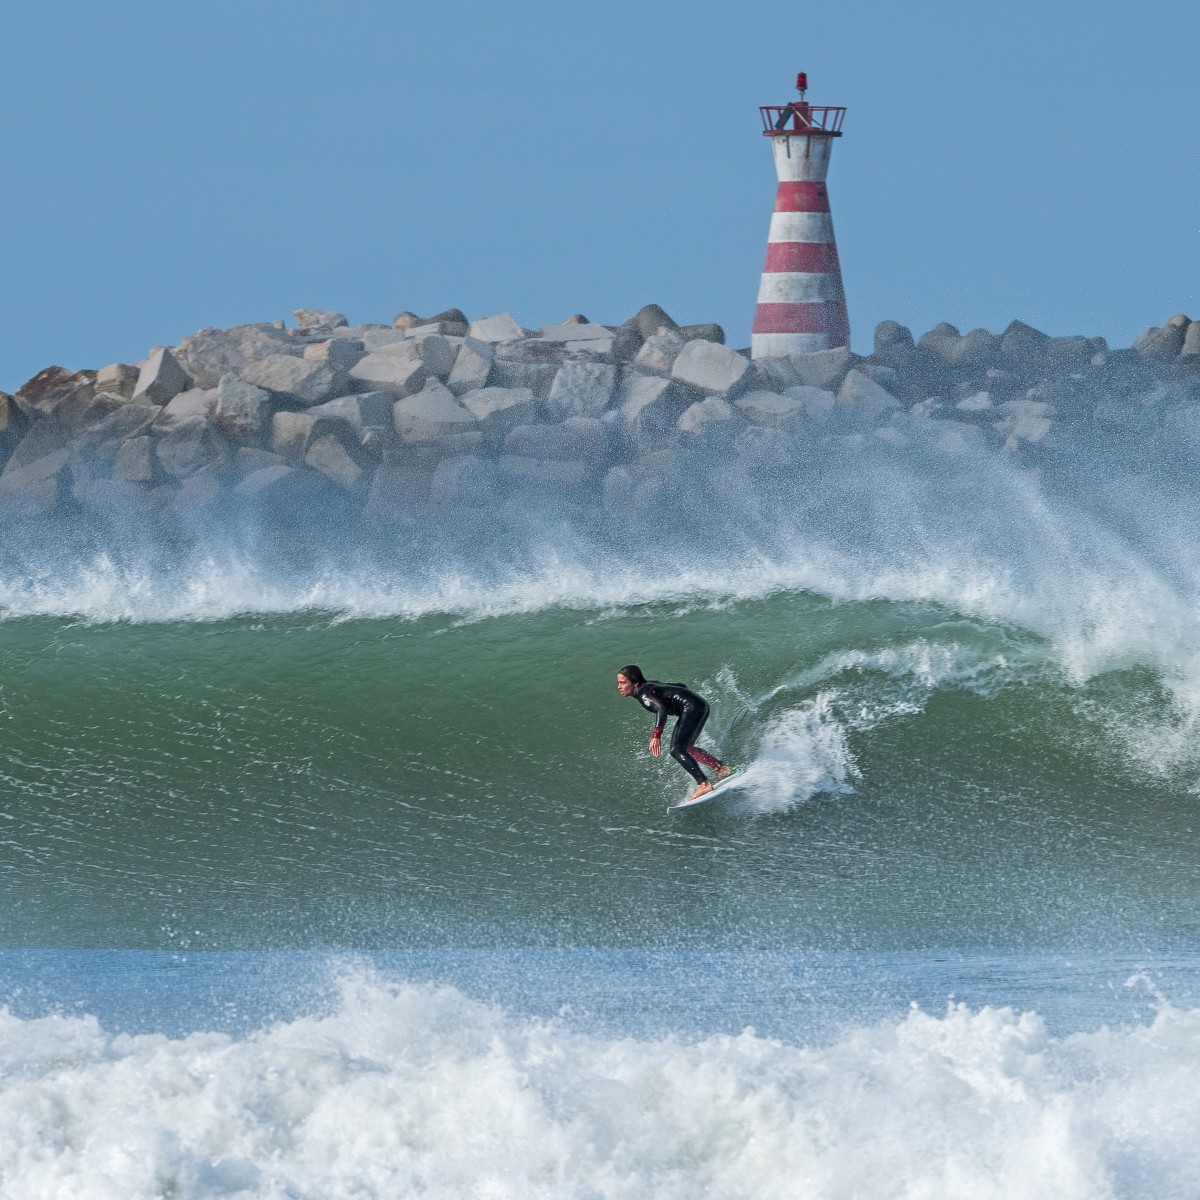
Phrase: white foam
(413, 1090)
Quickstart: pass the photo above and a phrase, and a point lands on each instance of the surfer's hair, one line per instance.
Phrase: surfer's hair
(633, 674)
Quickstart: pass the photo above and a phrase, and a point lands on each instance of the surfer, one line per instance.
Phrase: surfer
(690, 712)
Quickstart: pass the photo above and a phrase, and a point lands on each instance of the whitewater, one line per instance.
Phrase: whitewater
(340, 870)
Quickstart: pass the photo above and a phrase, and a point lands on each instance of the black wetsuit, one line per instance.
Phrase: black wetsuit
(690, 712)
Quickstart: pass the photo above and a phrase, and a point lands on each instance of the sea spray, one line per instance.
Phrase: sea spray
(403, 1088)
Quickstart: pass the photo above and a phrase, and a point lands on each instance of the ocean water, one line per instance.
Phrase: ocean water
(334, 869)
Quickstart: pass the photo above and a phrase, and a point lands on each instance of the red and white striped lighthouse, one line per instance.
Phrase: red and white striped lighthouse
(801, 304)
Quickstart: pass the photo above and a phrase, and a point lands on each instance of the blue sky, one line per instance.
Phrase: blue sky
(176, 165)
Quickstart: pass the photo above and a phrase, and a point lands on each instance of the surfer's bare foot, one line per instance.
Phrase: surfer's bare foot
(724, 771)
(702, 789)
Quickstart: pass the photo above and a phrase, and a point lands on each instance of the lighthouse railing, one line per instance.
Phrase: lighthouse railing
(790, 120)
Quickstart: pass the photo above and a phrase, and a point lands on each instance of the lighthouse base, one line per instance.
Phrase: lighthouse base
(776, 345)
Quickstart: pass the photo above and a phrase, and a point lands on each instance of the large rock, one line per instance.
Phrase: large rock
(711, 368)
(341, 352)
(117, 378)
(305, 380)
(135, 461)
(128, 421)
(538, 377)
(330, 455)
(434, 352)
(394, 494)
(319, 318)
(650, 405)
(463, 479)
(187, 447)
(1163, 344)
(1023, 348)
(58, 393)
(451, 321)
(1191, 340)
(775, 373)
(291, 433)
(211, 353)
(709, 417)
(817, 403)
(365, 412)
(433, 413)
(43, 438)
(472, 366)
(286, 494)
(582, 389)
(195, 402)
(551, 473)
(36, 490)
(578, 332)
(503, 327)
(823, 368)
(379, 337)
(977, 349)
(891, 335)
(499, 410)
(13, 425)
(161, 379)
(707, 332)
(583, 438)
(861, 396)
(650, 320)
(397, 374)
(658, 353)
(241, 411)
(770, 408)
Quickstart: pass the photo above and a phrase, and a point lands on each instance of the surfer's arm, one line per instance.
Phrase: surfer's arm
(660, 719)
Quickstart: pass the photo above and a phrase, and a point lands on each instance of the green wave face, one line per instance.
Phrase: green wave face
(913, 778)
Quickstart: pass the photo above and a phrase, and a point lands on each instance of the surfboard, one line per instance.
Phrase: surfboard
(716, 791)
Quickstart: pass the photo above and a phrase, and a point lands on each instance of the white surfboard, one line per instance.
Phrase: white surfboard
(717, 789)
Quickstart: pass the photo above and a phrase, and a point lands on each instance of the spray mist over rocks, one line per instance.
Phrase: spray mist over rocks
(457, 459)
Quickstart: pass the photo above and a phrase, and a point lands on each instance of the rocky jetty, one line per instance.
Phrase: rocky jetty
(389, 425)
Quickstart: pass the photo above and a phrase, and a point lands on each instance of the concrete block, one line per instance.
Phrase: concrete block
(708, 417)
(583, 438)
(135, 460)
(862, 396)
(711, 368)
(342, 353)
(472, 366)
(329, 455)
(161, 379)
(499, 410)
(188, 446)
(658, 353)
(582, 389)
(772, 409)
(397, 374)
(501, 328)
(117, 378)
(241, 411)
(302, 379)
(823, 368)
(319, 318)
(433, 413)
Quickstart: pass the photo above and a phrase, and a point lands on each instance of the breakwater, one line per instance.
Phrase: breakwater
(438, 422)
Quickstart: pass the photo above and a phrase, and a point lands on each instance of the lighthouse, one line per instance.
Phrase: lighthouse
(801, 304)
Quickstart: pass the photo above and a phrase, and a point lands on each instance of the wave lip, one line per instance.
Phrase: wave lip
(405, 1089)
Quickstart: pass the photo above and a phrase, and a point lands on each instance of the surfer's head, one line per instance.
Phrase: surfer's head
(629, 679)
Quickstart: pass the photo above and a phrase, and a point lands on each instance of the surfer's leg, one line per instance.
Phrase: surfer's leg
(687, 729)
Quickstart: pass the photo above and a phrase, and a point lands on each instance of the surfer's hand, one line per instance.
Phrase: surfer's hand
(656, 746)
